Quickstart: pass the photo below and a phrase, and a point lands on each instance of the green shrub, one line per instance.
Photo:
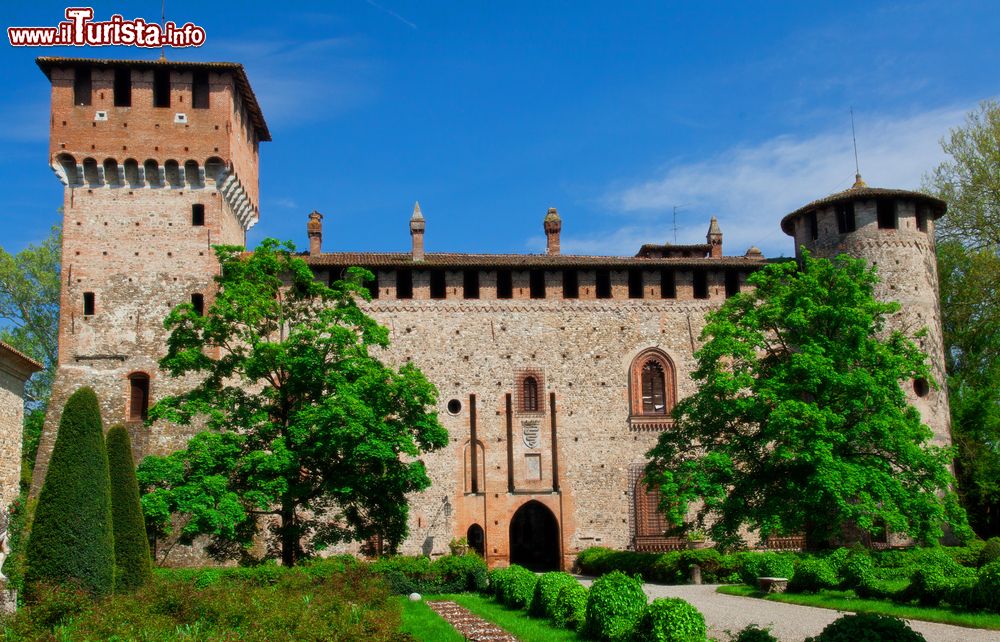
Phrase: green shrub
(513, 586)
(767, 565)
(872, 588)
(961, 594)
(71, 538)
(858, 569)
(990, 552)
(460, 573)
(867, 628)
(666, 569)
(447, 574)
(811, 575)
(928, 586)
(988, 586)
(570, 610)
(708, 559)
(754, 633)
(670, 620)
(837, 560)
(966, 555)
(133, 566)
(546, 590)
(614, 606)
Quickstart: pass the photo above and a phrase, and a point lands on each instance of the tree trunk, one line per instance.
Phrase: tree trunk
(289, 534)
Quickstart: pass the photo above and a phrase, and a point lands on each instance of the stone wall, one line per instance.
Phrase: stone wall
(11, 423)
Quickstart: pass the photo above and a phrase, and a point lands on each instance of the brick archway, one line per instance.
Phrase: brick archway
(534, 538)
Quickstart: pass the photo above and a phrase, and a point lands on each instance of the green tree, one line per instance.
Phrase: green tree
(799, 424)
(132, 562)
(304, 422)
(968, 251)
(71, 538)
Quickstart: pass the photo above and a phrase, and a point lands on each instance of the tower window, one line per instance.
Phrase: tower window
(845, 218)
(470, 284)
(81, 86)
(138, 397)
(404, 284)
(528, 385)
(732, 283)
(813, 225)
(885, 212)
(635, 284)
(651, 384)
(654, 391)
(438, 287)
(668, 284)
(530, 394)
(603, 284)
(505, 284)
(536, 281)
(88, 304)
(123, 87)
(372, 285)
(571, 284)
(197, 215)
(921, 218)
(700, 284)
(161, 88)
(198, 303)
(199, 90)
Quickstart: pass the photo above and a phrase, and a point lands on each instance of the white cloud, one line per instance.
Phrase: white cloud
(751, 187)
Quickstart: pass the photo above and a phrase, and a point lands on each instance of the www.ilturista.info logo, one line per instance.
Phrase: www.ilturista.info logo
(80, 30)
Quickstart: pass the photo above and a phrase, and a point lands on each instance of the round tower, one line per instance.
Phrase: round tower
(893, 230)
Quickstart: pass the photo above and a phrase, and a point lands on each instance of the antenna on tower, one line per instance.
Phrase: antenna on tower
(163, 20)
(676, 207)
(857, 168)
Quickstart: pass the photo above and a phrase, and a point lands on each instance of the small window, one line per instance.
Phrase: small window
(138, 399)
(372, 285)
(454, 407)
(404, 284)
(529, 390)
(885, 212)
(161, 88)
(635, 284)
(198, 303)
(571, 284)
(651, 384)
(439, 289)
(82, 88)
(199, 90)
(536, 281)
(88, 304)
(920, 387)
(668, 284)
(603, 284)
(505, 284)
(197, 215)
(732, 283)
(813, 225)
(700, 284)
(845, 218)
(922, 218)
(470, 284)
(123, 87)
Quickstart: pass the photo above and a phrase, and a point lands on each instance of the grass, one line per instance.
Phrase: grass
(848, 601)
(424, 624)
(514, 621)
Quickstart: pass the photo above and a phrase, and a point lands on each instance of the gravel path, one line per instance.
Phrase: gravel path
(788, 622)
(470, 625)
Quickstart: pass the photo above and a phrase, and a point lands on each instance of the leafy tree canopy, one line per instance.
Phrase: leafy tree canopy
(799, 424)
(305, 424)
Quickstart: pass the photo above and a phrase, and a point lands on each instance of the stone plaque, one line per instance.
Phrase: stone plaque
(533, 467)
(532, 434)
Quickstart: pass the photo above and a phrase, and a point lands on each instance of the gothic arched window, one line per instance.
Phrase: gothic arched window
(654, 391)
(652, 386)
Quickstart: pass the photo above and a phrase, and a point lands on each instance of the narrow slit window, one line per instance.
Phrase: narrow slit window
(530, 392)
(470, 284)
(921, 218)
(885, 212)
(700, 284)
(138, 402)
(505, 284)
(88, 304)
(404, 284)
(668, 284)
(536, 281)
(732, 283)
(199, 90)
(813, 225)
(635, 284)
(845, 218)
(161, 88)
(82, 86)
(123, 87)
(603, 284)
(571, 284)
(198, 303)
(438, 285)
(372, 285)
(197, 215)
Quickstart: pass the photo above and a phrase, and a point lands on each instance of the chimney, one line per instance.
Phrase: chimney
(417, 225)
(553, 224)
(714, 237)
(314, 228)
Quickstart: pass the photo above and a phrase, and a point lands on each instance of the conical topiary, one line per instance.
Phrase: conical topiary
(131, 546)
(71, 539)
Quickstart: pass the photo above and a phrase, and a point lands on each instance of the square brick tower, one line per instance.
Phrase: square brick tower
(158, 161)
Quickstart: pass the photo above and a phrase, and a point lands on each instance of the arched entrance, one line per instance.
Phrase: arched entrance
(477, 539)
(534, 538)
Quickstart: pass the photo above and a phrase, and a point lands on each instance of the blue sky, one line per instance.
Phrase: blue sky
(490, 112)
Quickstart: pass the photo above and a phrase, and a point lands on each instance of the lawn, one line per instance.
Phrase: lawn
(420, 622)
(848, 601)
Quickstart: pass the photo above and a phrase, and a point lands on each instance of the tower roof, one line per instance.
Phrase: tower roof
(47, 63)
(860, 192)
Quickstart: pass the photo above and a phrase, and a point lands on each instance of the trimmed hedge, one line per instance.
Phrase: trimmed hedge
(614, 606)
(71, 539)
(513, 586)
(865, 627)
(133, 567)
(446, 574)
(547, 590)
(570, 609)
(988, 586)
(811, 575)
(670, 619)
(767, 565)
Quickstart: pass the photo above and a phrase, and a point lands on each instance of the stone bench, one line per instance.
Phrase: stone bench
(772, 584)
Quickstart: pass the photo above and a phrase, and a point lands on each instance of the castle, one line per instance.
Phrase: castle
(556, 372)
